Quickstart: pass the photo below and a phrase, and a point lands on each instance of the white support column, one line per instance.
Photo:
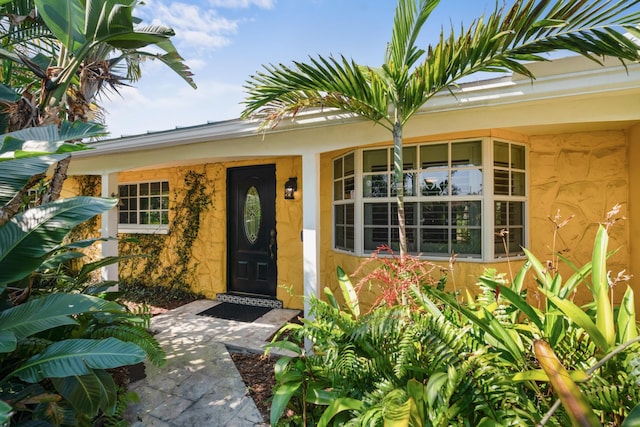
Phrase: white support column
(109, 226)
(310, 226)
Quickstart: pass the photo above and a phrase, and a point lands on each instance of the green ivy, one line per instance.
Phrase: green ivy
(189, 204)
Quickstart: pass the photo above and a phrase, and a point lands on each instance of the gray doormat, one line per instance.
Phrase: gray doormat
(237, 312)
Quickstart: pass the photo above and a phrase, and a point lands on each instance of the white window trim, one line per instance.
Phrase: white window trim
(487, 203)
(143, 228)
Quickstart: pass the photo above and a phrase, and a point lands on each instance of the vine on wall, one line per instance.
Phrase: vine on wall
(168, 260)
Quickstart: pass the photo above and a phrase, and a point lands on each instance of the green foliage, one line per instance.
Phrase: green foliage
(493, 359)
(56, 347)
(189, 204)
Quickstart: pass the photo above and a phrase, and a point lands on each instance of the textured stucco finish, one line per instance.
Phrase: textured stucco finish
(209, 250)
(579, 174)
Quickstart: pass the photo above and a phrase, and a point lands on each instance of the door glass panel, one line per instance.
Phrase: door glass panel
(252, 214)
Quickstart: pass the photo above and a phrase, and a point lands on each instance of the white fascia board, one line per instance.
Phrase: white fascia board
(491, 92)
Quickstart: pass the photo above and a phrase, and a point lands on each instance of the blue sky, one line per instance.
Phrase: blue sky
(225, 41)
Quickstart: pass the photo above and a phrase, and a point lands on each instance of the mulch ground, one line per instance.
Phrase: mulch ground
(256, 371)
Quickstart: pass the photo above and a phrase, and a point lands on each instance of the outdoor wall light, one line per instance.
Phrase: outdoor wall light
(290, 187)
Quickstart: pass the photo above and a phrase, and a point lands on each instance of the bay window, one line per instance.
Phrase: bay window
(447, 209)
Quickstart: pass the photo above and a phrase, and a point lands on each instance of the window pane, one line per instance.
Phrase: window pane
(349, 238)
(466, 153)
(123, 205)
(375, 160)
(435, 241)
(124, 218)
(435, 213)
(123, 190)
(337, 190)
(155, 188)
(517, 156)
(466, 214)
(376, 214)
(349, 167)
(155, 203)
(466, 241)
(465, 182)
(349, 214)
(144, 203)
(434, 155)
(339, 236)
(165, 217)
(411, 234)
(349, 186)
(409, 158)
(516, 213)
(154, 217)
(517, 184)
(516, 241)
(434, 183)
(165, 188)
(339, 214)
(165, 202)
(500, 214)
(501, 182)
(133, 204)
(144, 217)
(410, 210)
(501, 154)
(144, 189)
(375, 237)
(376, 185)
(409, 184)
(337, 168)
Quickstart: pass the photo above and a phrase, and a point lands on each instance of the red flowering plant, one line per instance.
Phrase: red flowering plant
(395, 278)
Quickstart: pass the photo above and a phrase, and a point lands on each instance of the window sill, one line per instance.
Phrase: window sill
(156, 229)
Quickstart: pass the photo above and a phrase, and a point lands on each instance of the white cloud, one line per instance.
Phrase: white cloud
(232, 4)
(195, 26)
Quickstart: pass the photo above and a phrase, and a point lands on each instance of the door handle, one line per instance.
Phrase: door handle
(273, 245)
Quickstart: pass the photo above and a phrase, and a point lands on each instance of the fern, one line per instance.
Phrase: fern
(134, 334)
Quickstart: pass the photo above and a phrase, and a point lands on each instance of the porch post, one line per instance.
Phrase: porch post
(310, 225)
(109, 227)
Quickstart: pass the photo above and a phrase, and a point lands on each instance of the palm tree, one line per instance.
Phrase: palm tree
(67, 52)
(389, 95)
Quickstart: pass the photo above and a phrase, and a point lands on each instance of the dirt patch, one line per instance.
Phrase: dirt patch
(256, 371)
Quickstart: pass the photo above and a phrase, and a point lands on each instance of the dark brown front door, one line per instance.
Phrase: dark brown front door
(251, 233)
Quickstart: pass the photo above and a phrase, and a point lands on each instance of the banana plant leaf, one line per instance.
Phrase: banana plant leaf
(50, 311)
(8, 342)
(88, 393)
(16, 174)
(27, 239)
(49, 139)
(78, 357)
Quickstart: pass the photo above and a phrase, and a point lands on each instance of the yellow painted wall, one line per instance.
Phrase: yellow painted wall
(633, 156)
(582, 174)
(209, 251)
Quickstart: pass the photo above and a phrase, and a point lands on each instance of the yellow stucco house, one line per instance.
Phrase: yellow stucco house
(290, 205)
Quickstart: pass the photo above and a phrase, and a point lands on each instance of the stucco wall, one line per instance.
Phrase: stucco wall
(633, 156)
(209, 250)
(581, 174)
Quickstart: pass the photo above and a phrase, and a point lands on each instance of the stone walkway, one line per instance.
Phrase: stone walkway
(200, 385)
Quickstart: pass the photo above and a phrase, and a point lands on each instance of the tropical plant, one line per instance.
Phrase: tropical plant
(55, 348)
(493, 359)
(59, 56)
(410, 76)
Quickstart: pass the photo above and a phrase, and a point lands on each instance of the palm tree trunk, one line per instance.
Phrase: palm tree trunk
(399, 184)
(57, 180)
